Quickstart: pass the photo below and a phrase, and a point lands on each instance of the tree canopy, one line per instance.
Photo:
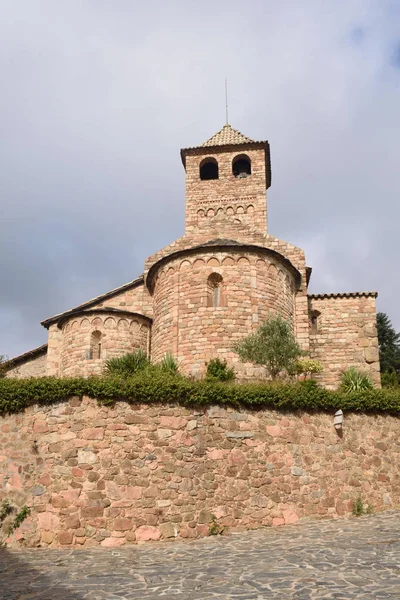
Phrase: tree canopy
(273, 346)
(389, 344)
(3, 369)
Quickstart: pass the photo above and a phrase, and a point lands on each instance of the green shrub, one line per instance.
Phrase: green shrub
(215, 528)
(127, 364)
(389, 379)
(153, 387)
(218, 369)
(359, 508)
(169, 364)
(308, 367)
(20, 517)
(309, 385)
(5, 509)
(273, 346)
(355, 381)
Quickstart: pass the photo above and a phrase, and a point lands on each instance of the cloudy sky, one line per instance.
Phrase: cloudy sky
(98, 96)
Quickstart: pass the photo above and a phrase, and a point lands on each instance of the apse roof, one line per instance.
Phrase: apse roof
(139, 280)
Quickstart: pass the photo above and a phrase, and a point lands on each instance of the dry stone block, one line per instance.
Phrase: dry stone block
(86, 456)
(147, 532)
(371, 355)
(122, 524)
(168, 530)
(65, 537)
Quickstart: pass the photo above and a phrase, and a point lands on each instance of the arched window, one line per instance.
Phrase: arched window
(95, 345)
(208, 169)
(241, 166)
(215, 295)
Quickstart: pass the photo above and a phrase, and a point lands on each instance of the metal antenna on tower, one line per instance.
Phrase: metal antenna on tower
(226, 100)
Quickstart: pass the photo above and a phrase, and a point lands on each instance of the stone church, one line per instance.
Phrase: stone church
(213, 286)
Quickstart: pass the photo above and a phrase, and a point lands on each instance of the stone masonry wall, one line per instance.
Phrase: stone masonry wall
(345, 336)
(254, 286)
(136, 299)
(228, 198)
(108, 476)
(54, 345)
(35, 367)
(120, 335)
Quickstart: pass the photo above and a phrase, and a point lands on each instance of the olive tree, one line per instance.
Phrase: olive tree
(273, 346)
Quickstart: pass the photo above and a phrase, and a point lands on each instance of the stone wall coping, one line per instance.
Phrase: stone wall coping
(104, 310)
(344, 295)
(127, 286)
(34, 353)
(220, 244)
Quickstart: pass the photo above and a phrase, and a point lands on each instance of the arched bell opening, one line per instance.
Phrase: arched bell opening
(208, 169)
(241, 166)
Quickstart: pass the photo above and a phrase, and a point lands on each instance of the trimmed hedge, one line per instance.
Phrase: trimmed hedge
(150, 388)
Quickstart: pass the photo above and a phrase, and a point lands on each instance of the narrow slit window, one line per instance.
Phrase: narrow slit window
(216, 295)
(214, 290)
(95, 345)
(314, 322)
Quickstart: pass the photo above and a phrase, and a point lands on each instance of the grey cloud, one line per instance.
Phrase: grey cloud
(98, 97)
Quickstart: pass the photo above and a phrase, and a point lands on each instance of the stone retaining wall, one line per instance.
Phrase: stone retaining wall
(108, 476)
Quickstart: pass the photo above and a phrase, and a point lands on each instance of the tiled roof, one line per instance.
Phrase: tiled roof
(344, 295)
(26, 356)
(47, 322)
(226, 137)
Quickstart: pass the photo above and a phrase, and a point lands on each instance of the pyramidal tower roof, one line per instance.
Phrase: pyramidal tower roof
(227, 136)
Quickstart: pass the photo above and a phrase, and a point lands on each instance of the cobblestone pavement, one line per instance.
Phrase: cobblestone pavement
(347, 558)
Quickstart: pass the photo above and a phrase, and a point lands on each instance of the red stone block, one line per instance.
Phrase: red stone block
(146, 533)
(40, 427)
(92, 511)
(45, 480)
(65, 537)
(77, 472)
(121, 524)
(93, 433)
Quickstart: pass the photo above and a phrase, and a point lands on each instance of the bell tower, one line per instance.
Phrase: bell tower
(226, 182)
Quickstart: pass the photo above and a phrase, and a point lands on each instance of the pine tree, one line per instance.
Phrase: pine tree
(3, 369)
(389, 344)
